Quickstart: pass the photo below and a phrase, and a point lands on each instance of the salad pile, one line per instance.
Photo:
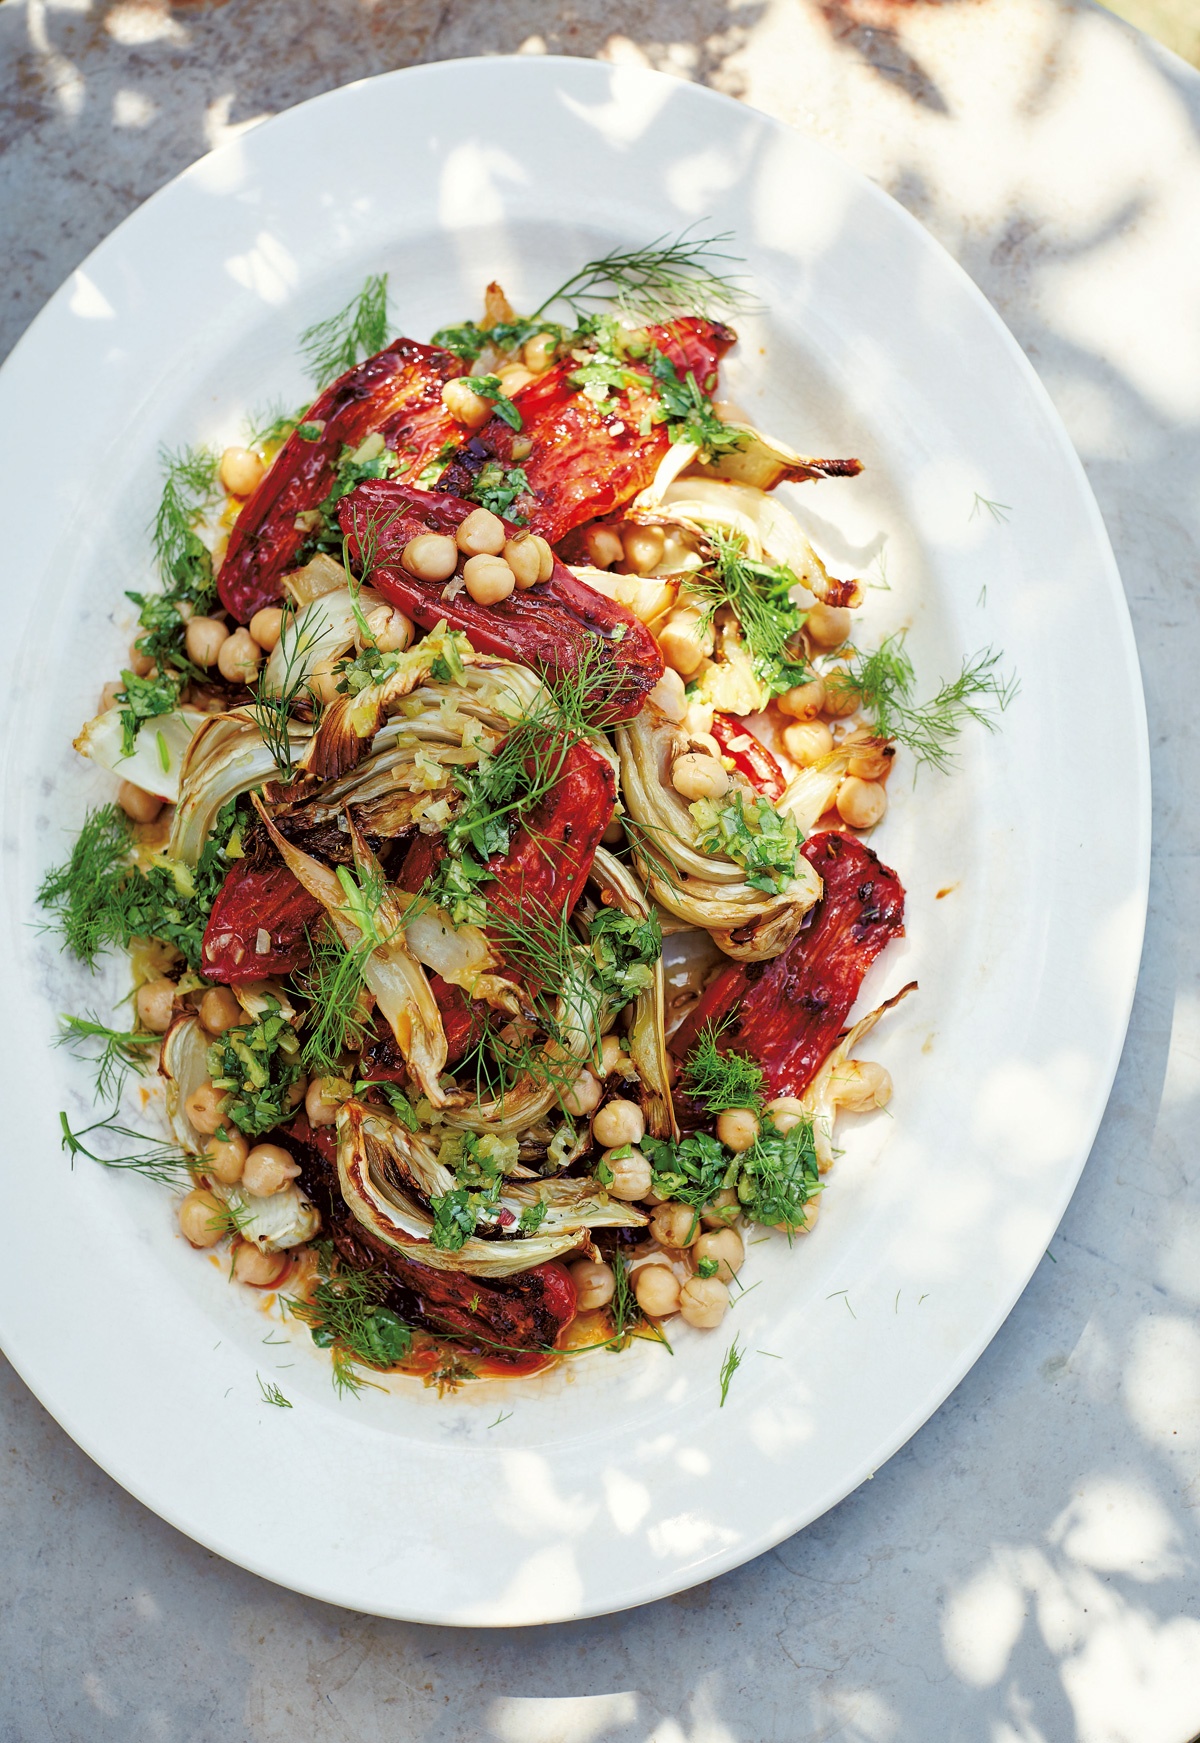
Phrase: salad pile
(494, 761)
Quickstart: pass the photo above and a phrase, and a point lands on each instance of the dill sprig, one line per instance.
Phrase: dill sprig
(333, 346)
(333, 985)
(121, 1052)
(271, 1393)
(721, 1080)
(165, 1163)
(272, 708)
(760, 597)
(345, 1314)
(671, 275)
(271, 427)
(884, 682)
(729, 1367)
(190, 489)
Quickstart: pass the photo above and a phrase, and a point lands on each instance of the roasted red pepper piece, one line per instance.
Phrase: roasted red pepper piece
(254, 899)
(787, 1014)
(552, 627)
(550, 854)
(399, 393)
(750, 758)
(587, 459)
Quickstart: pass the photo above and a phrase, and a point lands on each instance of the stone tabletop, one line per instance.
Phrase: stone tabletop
(1027, 1570)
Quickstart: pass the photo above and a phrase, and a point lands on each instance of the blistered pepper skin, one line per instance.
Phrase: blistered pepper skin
(559, 627)
(397, 393)
(788, 1013)
(251, 902)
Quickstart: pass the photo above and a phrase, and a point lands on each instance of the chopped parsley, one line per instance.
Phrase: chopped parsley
(774, 1179)
(623, 951)
(750, 831)
(497, 488)
(489, 387)
(142, 699)
(257, 1065)
(479, 1165)
(688, 413)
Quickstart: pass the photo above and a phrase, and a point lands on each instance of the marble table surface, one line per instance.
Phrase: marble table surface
(1027, 1569)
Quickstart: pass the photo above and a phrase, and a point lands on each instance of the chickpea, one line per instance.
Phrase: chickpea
(323, 1098)
(699, 777)
(812, 1211)
(306, 1272)
(391, 630)
(631, 1175)
(869, 758)
(266, 627)
(220, 546)
(465, 405)
(489, 579)
(669, 695)
(803, 701)
(644, 548)
(267, 1169)
(657, 1290)
(205, 1108)
(219, 1010)
(723, 1211)
(618, 1123)
(203, 640)
(861, 804)
(786, 1111)
(524, 559)
(137, 804)
(807, 741)
(703, 1302)
(482, 534)
(297, 1093)
(827, 626)
(224, 1158)
(538, 353)
(323, 680)
(239, 657)
(726, 1247)
(594, 1284)
(610, 1055)
(109, 694)
(155, 1003)
(860, 1085)
(684, 642)
(514, 378)
(675, 1225)
(614, 833)
(260, 1270)
(841, 695)
(737, 1129)
(583, 1095)
(547, 556)
(202, 1218)
(430, 556)
(140, 664)
(241, 471)
(604, 547)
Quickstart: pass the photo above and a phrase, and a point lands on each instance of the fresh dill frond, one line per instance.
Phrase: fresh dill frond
(760, 597)
(121, 1051)
(273, 708)
(345, 1314)
(503, 1416)
(884, 682)
(271, 1394)
(720, 1080)
(164, 1163)
(333, 346)
(672, 275)
(999, 511)
(734, 1356)
(339, 1016)
(190, 490)
(271, 427)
